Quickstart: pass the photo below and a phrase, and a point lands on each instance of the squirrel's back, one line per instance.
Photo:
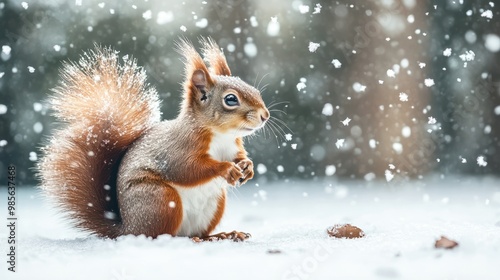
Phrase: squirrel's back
(103, 106)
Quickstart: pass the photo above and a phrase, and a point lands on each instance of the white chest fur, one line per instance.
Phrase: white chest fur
(199, 204)
(223, 146)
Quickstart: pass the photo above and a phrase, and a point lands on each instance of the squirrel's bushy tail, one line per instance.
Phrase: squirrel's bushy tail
(104, 106)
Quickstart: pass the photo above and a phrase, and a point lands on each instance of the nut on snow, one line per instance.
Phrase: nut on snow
(446, 243)
(345, 231)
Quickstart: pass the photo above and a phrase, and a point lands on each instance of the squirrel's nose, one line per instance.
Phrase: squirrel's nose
(264, 116)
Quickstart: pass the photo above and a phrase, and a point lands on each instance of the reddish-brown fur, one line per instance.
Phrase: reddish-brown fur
(82, 156)
(105, 106)
(221, 206)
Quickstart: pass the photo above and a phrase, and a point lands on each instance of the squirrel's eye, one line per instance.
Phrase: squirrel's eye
(231, 100)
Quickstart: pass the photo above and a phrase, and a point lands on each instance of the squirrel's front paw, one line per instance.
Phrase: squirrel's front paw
(246, 166)
(233, 174)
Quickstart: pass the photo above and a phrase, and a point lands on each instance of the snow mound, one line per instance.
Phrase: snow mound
(401, 221)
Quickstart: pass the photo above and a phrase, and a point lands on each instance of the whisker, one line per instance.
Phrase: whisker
(263, 88)
(274, 103)
(282, 123)
(271, 129)
(278, 110)
(278, 129)
(262, 79)
(255, 81)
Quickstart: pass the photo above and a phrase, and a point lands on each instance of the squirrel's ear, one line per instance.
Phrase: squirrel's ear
(215, 57)
(197, 78)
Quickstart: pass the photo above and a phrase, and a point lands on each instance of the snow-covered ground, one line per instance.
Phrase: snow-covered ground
(401, 222)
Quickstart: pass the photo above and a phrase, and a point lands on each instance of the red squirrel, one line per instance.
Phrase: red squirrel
(116, 169)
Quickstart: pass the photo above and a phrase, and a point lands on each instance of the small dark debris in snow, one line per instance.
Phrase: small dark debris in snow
(274, 251)
(234, 235)
(345, 231)
(446, 243)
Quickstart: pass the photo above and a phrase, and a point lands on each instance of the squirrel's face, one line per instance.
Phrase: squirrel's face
(233, 106)
(217, 99)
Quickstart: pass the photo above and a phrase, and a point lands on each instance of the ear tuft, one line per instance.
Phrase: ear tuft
(192, 60)
(197, 77)
(215, 57)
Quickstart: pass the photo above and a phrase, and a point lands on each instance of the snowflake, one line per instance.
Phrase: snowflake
(487, 14)
(339, 143)
(317, 9)
(327, 109)
(330, 170)
(481, 161)
(313, 46)
(403, 96)
(336, 63)
(447, 52)
(429, 82)
(431, 120)
(346, 121)
(468, 56)
(303, 9)
(388, 175)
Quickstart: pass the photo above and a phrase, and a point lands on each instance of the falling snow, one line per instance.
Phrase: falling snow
(388, 175)
(317, 9)
(301, 86)
(447, 52)
(358, 87)
(6, 49)
(273, 27)
(313, 46)
(327, 109)
(346, 121)
(339, 143)
(403, 97)
(330, 170)
(336, 63)
(3, 109)
(492, 42)
(481, 161)
(429, 82)
(468, 56)
(487, 14)
(303, 9)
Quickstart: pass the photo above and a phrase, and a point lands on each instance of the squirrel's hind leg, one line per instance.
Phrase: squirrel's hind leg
(234, 235)
(151, 208)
